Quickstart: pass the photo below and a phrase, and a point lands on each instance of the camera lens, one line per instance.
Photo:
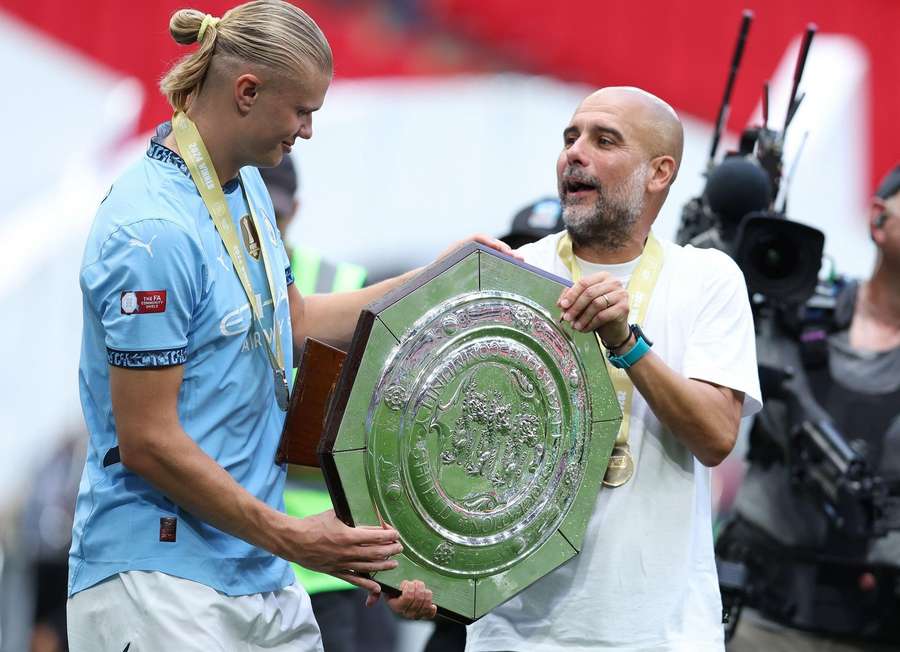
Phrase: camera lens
(774, 259)
(780, 258)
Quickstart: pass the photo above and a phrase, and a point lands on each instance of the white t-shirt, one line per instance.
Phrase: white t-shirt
(646, 577)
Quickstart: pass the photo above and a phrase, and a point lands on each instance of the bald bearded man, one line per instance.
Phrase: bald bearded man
(645, 578)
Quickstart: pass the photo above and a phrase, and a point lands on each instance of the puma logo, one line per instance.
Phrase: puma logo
(221, 257)
(134, 242)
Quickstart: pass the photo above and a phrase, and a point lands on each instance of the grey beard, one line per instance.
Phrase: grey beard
(607, 226)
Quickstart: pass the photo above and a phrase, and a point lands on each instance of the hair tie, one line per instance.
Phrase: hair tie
(208, 21)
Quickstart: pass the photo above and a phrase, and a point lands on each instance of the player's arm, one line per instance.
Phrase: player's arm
(153, 444)
(332, 317)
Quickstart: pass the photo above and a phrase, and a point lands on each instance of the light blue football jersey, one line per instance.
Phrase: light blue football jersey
(159, 289)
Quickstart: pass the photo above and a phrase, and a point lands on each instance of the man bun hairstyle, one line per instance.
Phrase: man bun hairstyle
(270, 33)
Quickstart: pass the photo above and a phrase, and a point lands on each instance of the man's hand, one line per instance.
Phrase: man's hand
(597, 303)
(484, 239)
(323, 543)
(414, 601)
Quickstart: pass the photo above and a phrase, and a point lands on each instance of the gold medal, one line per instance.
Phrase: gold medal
(620, 468)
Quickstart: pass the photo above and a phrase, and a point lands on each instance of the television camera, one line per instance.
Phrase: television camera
(793, 313)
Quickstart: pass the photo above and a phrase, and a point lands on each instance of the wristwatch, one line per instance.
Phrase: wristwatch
(641, 346)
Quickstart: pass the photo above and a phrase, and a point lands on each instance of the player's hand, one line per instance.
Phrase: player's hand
(325, 544)
(597, 303)
(487, 241)
(414, 601)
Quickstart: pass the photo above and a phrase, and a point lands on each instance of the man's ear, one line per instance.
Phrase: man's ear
(877, 216)
(246, 92)
(663, 173)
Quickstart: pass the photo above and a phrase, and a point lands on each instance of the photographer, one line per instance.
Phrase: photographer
(811, 586)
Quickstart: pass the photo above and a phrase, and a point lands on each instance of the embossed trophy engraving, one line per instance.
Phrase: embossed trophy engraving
(475, 424)
(489, 428)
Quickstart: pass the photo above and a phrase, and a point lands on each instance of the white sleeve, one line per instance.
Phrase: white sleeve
(721, 348)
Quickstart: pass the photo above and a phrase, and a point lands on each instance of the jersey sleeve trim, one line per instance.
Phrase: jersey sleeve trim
(146, 359)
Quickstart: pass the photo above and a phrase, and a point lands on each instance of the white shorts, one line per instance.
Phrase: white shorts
(150, 611)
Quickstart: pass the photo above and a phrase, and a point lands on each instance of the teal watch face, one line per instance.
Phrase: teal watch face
(640, 348)
(478, 426)
(639, 334)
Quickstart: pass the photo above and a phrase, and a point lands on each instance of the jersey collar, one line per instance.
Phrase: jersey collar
(159, 152)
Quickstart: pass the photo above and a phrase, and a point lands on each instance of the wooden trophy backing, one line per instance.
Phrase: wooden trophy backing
(317, 377)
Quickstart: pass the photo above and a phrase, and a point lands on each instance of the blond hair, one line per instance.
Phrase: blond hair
(270, 33)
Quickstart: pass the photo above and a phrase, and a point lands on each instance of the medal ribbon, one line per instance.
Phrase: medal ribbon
(199, 163)
(640, 289)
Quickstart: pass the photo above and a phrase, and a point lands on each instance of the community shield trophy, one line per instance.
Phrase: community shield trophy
(473, 421)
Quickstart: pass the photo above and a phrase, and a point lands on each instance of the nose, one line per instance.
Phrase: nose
(571, 156)
(576, 153)
(305, 131)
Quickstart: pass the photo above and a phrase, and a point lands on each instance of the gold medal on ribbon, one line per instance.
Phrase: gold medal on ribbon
(620, 468)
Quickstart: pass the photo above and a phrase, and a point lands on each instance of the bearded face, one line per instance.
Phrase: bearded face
(601, 215)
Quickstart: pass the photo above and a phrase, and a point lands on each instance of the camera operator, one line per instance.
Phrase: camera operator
(811, 587)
